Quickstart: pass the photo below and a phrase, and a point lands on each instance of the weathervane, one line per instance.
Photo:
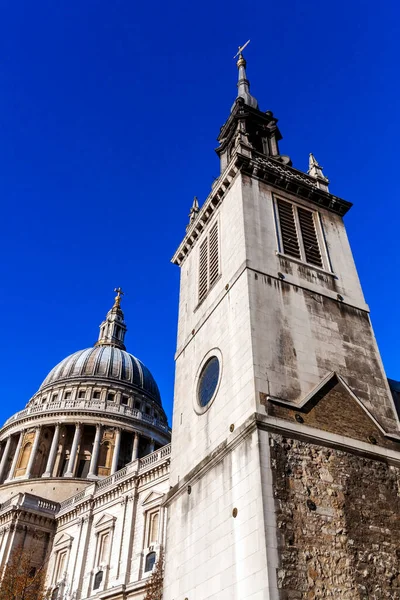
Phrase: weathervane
(241, 48)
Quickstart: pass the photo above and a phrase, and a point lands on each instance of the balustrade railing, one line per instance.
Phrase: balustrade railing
(154, 457)
(31, 501)
(89, 405)
(133, 467)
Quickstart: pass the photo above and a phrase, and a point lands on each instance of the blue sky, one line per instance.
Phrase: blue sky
(109, 113)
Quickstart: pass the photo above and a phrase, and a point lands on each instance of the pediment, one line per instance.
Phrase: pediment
(105, 519)
(152, 497)
(63, 539)
(332, 406)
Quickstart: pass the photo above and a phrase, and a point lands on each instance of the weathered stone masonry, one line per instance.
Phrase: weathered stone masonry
(338, 523)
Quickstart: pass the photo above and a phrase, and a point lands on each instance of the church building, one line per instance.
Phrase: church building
(282, 479)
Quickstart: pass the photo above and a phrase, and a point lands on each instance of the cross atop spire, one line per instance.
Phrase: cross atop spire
(243, 83)
(118, 297)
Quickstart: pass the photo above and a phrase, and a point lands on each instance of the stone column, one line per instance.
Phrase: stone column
(74, 450)
(151, 447)
(53, 453)
(117, 445)
(33, 453)
(95, 453)
(4, 458)
(135, 449)
(15, 457)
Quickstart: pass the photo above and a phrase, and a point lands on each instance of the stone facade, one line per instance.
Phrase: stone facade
(286, 321)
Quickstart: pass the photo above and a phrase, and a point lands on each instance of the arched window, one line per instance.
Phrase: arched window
(153, 529)
(105, 458)
(150, 560)
(98, 578)
(54, 595)
(104, 546)
(60, 564)
(26, 452)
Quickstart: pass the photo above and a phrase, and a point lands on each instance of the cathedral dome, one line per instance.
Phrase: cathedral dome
(98, 410)
(107, 364)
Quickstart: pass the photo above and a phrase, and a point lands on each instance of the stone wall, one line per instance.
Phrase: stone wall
(338, 518)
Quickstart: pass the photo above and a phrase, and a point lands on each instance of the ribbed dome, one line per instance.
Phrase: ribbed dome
(105, 362)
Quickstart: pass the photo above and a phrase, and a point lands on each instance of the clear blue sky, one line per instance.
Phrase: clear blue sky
(108, 117)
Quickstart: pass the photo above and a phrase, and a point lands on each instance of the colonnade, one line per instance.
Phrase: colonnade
(71, 467)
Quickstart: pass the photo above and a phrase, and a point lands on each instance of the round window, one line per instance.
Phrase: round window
(208, 381)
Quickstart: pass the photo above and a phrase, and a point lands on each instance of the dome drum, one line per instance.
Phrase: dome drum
(84, 449)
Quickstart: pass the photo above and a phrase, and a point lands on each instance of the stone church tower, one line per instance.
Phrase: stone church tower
(285, 455)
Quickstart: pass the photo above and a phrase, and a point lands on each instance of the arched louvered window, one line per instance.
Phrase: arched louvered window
(298, 232)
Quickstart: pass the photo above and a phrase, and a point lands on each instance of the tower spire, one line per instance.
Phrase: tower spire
(113, 328)
(243, 83)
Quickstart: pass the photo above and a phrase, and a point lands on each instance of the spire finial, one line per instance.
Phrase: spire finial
(194, 211)
(243, 82)
(315, 170)
(118, 297)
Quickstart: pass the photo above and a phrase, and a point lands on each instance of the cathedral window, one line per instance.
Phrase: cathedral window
(104, 546)
(110, 397)
(54, 595)
(23, 461)
(150, 561)
(153, 528)
(82, 394)
(96, 395)
(209, 269)
(98, 578)
(124, 400)
(61, 560)
(54, 397)
(299, 233)
(67, 395)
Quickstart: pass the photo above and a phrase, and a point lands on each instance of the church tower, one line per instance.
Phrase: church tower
(279, 386)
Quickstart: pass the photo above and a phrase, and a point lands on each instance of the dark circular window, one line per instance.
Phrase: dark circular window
(208, 381)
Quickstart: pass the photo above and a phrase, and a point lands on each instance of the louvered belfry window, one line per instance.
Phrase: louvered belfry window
(209, 261)
(299, 236)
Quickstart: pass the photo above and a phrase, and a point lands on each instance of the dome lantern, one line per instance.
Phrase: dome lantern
(113, 329)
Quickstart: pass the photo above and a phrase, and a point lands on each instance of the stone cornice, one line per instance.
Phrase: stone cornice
(286, 428)
(266, 169)
(218, 192)
(289, 179)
